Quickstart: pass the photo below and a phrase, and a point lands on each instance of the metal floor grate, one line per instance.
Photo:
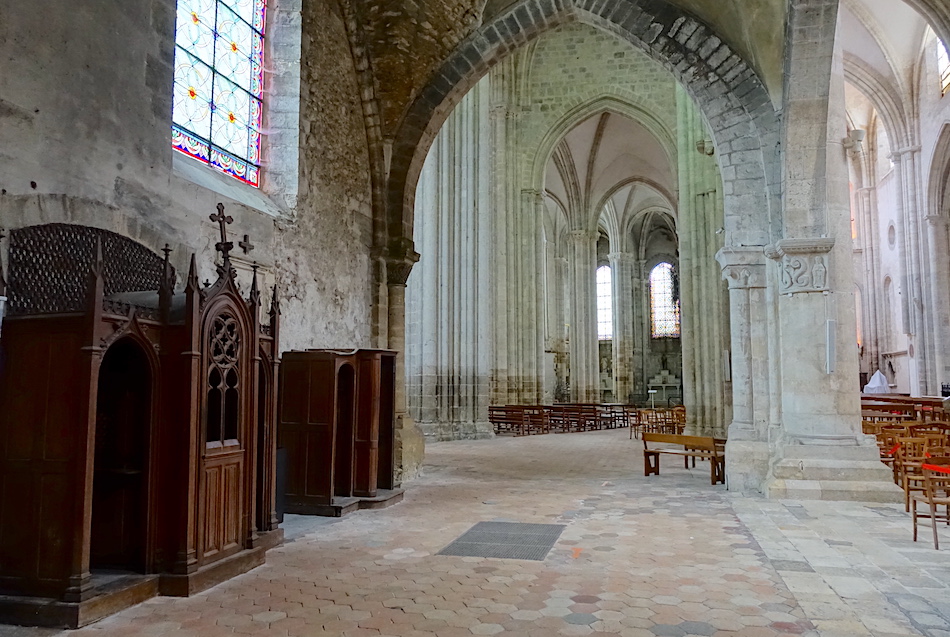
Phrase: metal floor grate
(508, 540)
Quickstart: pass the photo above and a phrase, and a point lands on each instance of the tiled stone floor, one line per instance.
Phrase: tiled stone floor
(668, 555)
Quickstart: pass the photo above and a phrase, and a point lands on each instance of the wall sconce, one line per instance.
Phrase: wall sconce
(855, 140)
(705, 147)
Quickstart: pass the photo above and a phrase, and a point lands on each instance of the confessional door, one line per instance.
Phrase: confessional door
(222, 505)
(386, 473)
(343, 474)
(120, 481)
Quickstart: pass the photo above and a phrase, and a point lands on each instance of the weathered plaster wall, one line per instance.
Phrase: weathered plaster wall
(85, 112)
(407, 42)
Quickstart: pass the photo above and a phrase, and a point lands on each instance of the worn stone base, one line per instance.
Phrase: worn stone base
(813, 472)
(410, 449)
(747, 466)
(440, 431)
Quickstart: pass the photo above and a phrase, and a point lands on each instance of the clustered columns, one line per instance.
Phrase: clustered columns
(622, 270)
(937, 244)
(410, 443)
(794, 365)
(747, 446)
(922, 373)
(585, 362)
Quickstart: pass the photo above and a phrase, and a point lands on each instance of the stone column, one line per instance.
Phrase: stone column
(410, 442)
(866, 212)
(820, 451)
(906, 165)
(939, 298)
(747, 449)
(585, 367)
(621, 273)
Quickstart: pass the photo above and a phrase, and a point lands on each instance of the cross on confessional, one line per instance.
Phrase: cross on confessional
(246, 245)
(224, 246)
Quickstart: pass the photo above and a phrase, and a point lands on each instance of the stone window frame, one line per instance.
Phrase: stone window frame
(604, 303)
(654, 334)
(943, 67)
(280, 147)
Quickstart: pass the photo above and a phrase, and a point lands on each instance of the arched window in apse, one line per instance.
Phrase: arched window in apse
(664, 302)
(605, 304)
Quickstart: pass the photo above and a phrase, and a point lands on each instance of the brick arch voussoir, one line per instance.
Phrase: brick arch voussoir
(470, 61)
(730, 94)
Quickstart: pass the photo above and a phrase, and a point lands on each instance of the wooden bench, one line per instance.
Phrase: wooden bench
(703, 447)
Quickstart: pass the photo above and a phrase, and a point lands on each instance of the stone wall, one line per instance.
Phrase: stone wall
(85, 114)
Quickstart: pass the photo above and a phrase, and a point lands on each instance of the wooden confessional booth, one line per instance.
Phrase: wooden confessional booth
(137, 427)
(337, 422)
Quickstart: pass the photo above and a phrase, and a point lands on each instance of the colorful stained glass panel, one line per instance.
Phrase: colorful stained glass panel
(219, 84)
(943, 66)
(605, 304)
(664, 307)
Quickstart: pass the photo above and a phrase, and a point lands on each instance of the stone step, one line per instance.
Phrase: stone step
(831, 469)
(850, 452)
(841, 490)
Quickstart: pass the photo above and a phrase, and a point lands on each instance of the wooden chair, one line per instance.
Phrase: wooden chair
(936, 493)
(910, 455)
(633, 420)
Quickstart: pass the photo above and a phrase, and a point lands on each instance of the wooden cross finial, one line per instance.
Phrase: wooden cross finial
(224, 246)
(2, 235)
(246, 245)
(167, 251)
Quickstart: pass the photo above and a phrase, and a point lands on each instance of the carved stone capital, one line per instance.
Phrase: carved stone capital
(400, 257)
(804, 264)
(743, 267)
(622, 257)
(936, 221)
(583, 235)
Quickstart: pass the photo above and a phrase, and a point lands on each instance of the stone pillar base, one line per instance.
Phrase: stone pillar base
(410, 449)
(437, 431)
(819, 472)
(747, 466)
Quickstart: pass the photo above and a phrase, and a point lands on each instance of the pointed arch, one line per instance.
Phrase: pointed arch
(732, 97)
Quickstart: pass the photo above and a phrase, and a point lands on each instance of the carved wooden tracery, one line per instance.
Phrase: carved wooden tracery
(199, 485)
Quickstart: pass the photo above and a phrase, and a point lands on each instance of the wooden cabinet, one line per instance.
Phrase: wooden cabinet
(137, 425)
(336, 420)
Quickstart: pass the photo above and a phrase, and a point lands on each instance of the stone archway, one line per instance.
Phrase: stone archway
(734, 104)
(731, 96)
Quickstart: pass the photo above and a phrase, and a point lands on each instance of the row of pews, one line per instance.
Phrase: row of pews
(527, 420)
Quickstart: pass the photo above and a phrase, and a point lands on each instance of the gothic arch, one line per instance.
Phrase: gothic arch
(939, 181)
(666, 195)
(733, 99)
(937, 14)
(883, 96)
(604, 104)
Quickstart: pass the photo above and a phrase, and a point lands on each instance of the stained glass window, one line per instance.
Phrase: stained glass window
(605, 304)
(219, 84)
(943, 67)
(664, 306)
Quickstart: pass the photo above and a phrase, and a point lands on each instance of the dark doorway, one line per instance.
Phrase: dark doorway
(343, 458)
(262, 514)
(120, 484)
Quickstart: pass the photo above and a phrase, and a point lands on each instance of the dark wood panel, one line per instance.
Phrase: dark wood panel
(213, 496)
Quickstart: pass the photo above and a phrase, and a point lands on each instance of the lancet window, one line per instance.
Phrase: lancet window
(664, 304)
(943, 67)
(605, 304)
(219, 84)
